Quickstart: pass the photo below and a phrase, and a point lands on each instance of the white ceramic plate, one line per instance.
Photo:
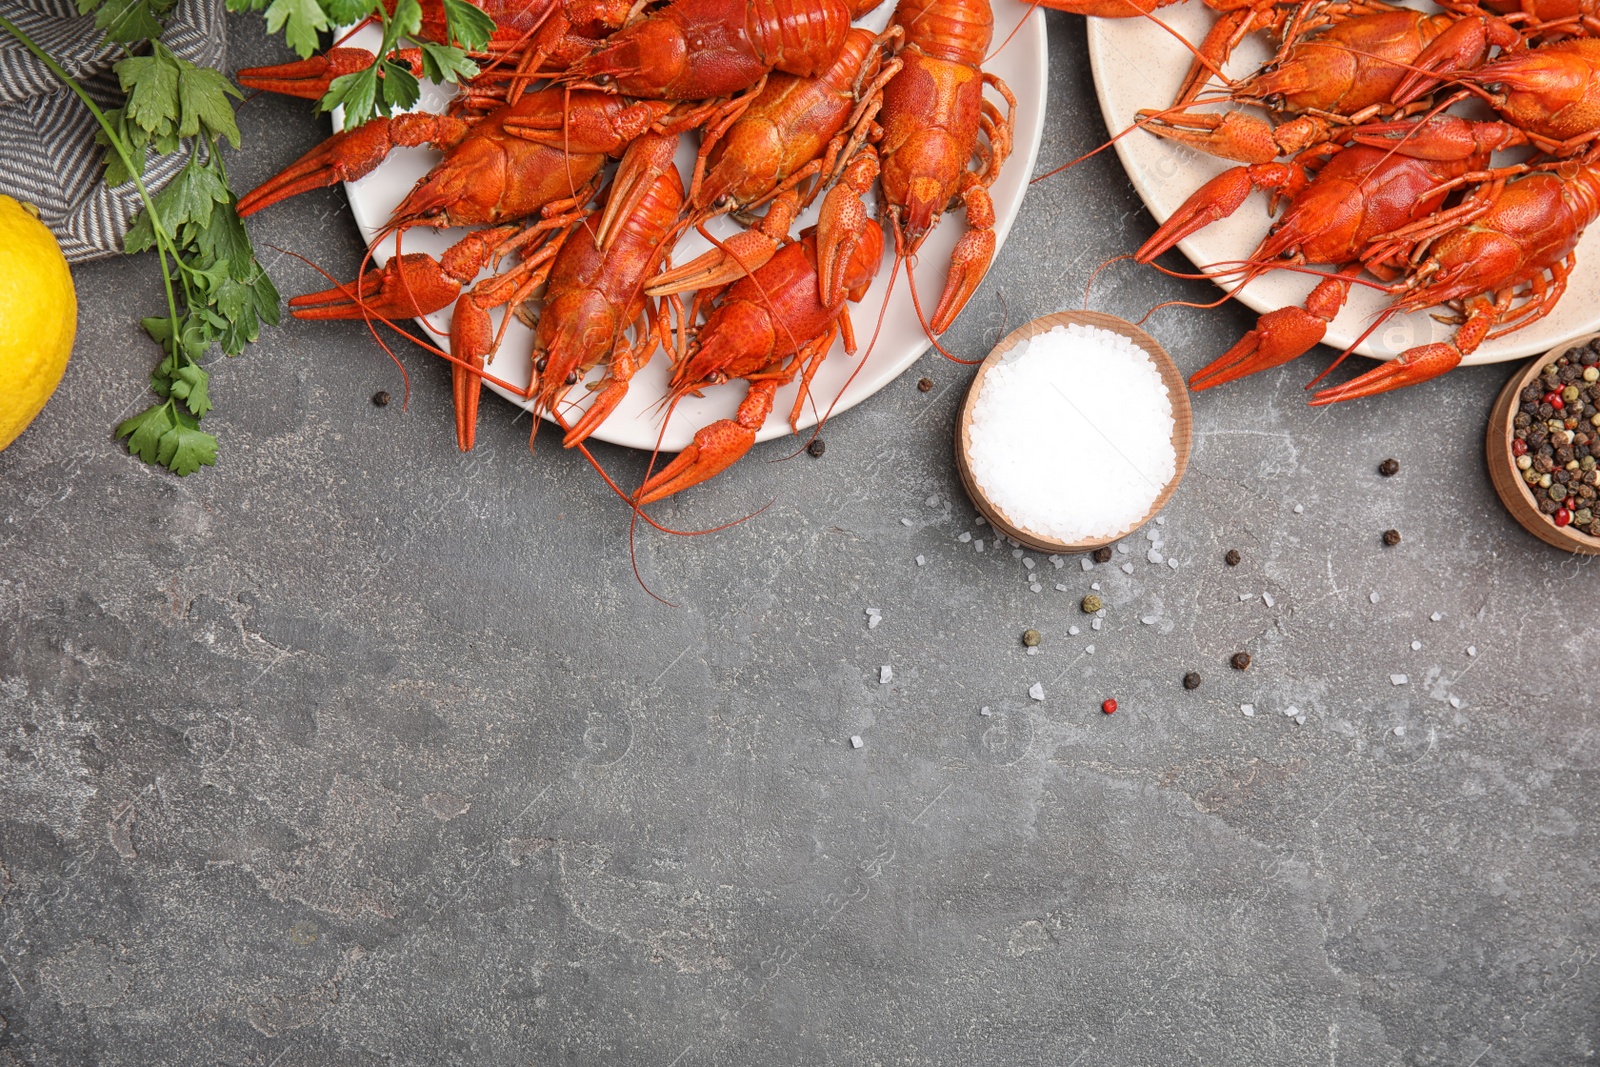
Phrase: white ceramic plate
(637, 421)
(1136, 64)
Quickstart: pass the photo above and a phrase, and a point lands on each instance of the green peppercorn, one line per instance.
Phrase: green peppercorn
(1555, 425)
(1557, 492)
(1030, 638)
(1091, 604)
(1569, 394)
(1583, 516)
(1531, 477)
(1591, 374)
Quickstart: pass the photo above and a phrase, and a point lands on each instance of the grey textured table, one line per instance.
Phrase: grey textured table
(357, 750)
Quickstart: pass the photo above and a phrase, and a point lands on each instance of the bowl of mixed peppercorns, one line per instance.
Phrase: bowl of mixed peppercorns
(1544, 446)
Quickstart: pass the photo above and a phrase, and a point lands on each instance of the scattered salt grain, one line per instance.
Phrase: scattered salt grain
(1455, 702)
(874, 611)
(1246, 596)
(1127, 568)
(1089, 648)
(885, 674)
(1291, 711)
(1372, 597)
(1173, 563)
(1300, 720)
(872, 623)
(1036, 691)
(1472, 650)
(1094, 585)
(1266, 598)
(1399, 731)
(1100, 614)
(1035, 586)
(932, 501)
(1151, 533)
(1097, 624)
(907, 522)
(1398, 679)
(1150, 620)
(1416, 646)
(1027, 561)
(855, 741)
(1061, 586)
(1248, 709)
(977, 546)
(922, 561)
(980, 520)
(1299, 509)
(1436, 616)
(985, 711)
(1122, 546)
(1086, 563)
(1161, 520)
(1155, 557)
(1057, 560)
(1016, 553)
(964, 536)
(1073, 631)
(1071, 434)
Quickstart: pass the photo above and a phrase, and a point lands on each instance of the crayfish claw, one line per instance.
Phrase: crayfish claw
(309, 79)
(1232, 135)
(1412, 366)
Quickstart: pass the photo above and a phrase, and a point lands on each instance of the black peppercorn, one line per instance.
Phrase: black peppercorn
(381, 398)
(1191, 680)
(817, 447)
(1391, 537)
(1240, 661)
(1530, 393)
(1103, 554)
(1232, 558)
(1389, 467)
(1547, 505)
(924, 385)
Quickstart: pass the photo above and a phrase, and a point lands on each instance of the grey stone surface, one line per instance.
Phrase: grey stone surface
(357, 750)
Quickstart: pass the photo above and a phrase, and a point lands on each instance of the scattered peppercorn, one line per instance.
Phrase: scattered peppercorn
(1391, 537)
(1030, 638)
(925, 385)
(817, 447)
(1232, 558)
(1091, 604)
(1102, 555)
(1191, 680)
(1240, 661)
(381, 398)
(1389, 468)
(1109, 706)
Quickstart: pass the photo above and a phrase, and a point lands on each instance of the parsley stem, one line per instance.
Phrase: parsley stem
(164, 242)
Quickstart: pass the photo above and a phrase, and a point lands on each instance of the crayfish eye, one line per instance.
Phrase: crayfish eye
(542, 363)
(572, 377)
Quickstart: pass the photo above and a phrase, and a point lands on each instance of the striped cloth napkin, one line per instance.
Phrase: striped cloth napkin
(48, 155)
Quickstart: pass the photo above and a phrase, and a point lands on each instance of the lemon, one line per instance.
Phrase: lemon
(38, 317)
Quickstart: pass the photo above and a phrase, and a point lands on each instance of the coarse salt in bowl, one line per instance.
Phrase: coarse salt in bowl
(1075, 431)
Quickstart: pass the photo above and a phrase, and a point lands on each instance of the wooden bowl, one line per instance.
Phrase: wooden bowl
(1182, 423)
(1514, 492)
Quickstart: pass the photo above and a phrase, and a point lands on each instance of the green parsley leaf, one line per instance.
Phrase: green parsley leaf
(145, 430)
(443, 63)
(356, 92)
(467, 25)
(406, 21)
(345, 12)
(189, 385)
(185, 448)
(400, 88)
(300, 20)
(203, 94)
(128, 21)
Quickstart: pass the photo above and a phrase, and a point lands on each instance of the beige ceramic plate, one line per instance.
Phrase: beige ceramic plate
(1137, 64)
(1182, 421)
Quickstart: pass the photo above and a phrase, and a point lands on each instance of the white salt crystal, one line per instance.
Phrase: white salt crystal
(1034, 651)
(1291, 711)
(1127, 568)
(1122, 546)
(1036, 691)
(1072, 435)
(1398, 679)
(855, 741)
(1035, 586)
(985, 711)
(1372, 597)
(1150, 533)
(977, 546)
(1057, 560)
(872, 623)
(1100, 614)
(1246, 596)
(1161, 520)
(1073, 631)
(1299, 509)
(964, 536)
(1266, 598)
(1150, 620)
(1027, 561)
(1094, 585)
(1013, 542)
(1436, 616)
(1089, 649)
(1399, 731)
(932, 501)
(1248, 709)
(1455, 702)
(922, 561)
(1061, 586)
(1155, 557)
(1416, 646)
(907, 522)
(885, 674)
(1300, 719)
(1097, 624)
(1173, 563)
(980, 520)
(1472, 650)
(874, 611)
(1016, 553)
(1086, 563)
